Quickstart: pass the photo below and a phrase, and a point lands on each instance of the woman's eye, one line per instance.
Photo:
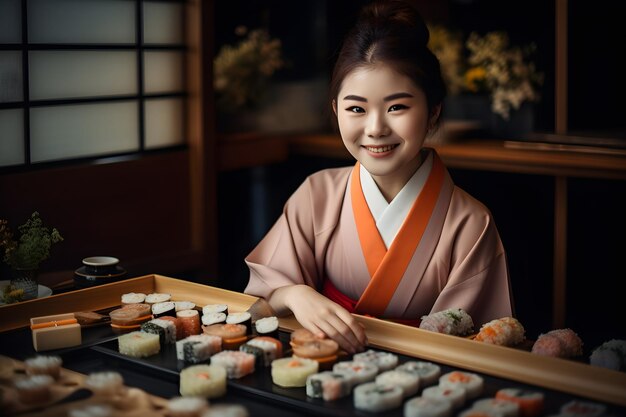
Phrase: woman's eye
(355, 109)
(397, 107)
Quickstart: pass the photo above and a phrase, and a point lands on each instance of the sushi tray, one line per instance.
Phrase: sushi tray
(260, 385)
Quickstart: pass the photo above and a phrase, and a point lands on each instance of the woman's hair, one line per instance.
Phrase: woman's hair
(391, 32)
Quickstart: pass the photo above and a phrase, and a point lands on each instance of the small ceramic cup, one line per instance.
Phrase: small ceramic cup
(97, 270)
(100, 265)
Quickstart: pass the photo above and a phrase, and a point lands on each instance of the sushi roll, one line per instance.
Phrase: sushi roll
(506, 331)
(34, 389)
(363, 371)
(198, 348)
(376, 398)
(236, 363)
(408, 382)
(473, 383)
(187, 406)
(267, 326)
(133, 298)
(302, 336)
(272, 348)
(504, 408)
(455, 394)
(177, 324)
(324, 351)
(139, 344)
(427, 372)
(215, 308)
(208, 381)
(130, 317)
(226, 410)
(577, 408)
(184, 305)
(560, 343)
(167, 308)
(530, 403)
(44, 365)
(106, 383)
(189, 321)
(243, 317)
(213, 318)
(233, 335)
(164, 328)
(428, 407)
(259, 354)
(293, 371)
(453, 321)
(610, 355)
(385, 361)
(472, 412)
(157, 298)
(329, 385)
(92, 410)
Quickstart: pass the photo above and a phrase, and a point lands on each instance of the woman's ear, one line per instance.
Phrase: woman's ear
(334, 104)
(434, 115)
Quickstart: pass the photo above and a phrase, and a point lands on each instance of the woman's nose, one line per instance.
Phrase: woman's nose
(376, 126)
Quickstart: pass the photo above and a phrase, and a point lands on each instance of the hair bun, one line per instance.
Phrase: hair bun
(397, 14)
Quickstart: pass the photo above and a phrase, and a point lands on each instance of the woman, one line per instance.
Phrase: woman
(391, 237)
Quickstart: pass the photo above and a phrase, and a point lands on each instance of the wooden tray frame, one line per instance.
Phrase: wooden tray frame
(563, 375)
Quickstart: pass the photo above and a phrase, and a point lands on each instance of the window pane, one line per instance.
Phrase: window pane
(163, 72)
(164, 122)
(65, 74)
(10, 76)
(10, 21)
(162, 22)
(11, 137)
(78, 21)
(62, 132)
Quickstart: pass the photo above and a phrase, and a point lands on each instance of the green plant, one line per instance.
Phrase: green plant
(31, 247)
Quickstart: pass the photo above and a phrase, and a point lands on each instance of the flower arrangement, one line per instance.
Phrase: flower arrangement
(33, 245)
(488, 64)
(241, 72)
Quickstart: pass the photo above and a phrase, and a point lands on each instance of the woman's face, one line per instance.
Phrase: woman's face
(383, 120)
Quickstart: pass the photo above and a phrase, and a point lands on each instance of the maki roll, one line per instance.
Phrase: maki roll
(213, 318)
(164, 328)
(363, 371)
(189, 321)
(133, 298)
(186, 406)
(427, 372)
(408, 382)
(184, 305)
(243, 318)
(105, 383)
(455, 394)
(157, 298)
(207, 381)
(373, 397)
(44, 365)
(233, 335)
(198, 348)
(215, 308)
(272, 348)
(324, 351)
(177, 324)
(267, 326)
(453, 321)
(293, 371)
(503, 408)
(329, 385)
(139, 344)
(530, 402)
(236, 363)
(167, 308)
(506, 331)
(560, 343)
(473, 383)
(385, 361)
(428, 407)
(259, 354)
(611, 355)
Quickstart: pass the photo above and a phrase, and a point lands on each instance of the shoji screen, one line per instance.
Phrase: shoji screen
(89, 78)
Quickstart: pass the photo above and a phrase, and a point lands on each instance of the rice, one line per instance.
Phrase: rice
(453, 321)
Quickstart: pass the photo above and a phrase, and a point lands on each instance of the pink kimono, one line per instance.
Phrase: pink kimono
(446, 253)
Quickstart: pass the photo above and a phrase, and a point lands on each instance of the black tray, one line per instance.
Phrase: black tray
(260, 385)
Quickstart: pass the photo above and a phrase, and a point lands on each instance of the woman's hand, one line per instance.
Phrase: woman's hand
(321, 316)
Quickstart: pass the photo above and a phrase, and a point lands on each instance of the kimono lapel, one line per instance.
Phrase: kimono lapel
(387, 267)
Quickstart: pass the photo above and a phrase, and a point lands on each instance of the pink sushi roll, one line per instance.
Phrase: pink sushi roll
(236, 363)
(189, 321)
(561, 343)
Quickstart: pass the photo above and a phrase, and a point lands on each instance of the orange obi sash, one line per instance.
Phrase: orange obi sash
(387, 267)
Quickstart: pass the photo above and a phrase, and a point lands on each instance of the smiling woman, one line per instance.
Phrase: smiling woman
(391, 237)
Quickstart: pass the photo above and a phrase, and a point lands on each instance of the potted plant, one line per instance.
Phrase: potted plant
(24, 255)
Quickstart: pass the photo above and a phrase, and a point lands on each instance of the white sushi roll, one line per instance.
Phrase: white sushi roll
(208, 381)
(133, 298)
(427, 372)
(473, 383)
(456, 395)
(157, 298)
(167, 308)
(577, 408)
(293, 371)
(504, 408)
(383, 360)
(428, 407)
(198, 348)
(236, 363)
(376, 398)
(243, 317)
(610, 355)
(267, 326)
(186, 406)
(453, 321)
(184, 305)
(139, 344)
(213, 318)
(107, 383)
(409, 383)
(329, 385)
(215, 308)
(363, 371)
(44, 365)
(34, 389)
